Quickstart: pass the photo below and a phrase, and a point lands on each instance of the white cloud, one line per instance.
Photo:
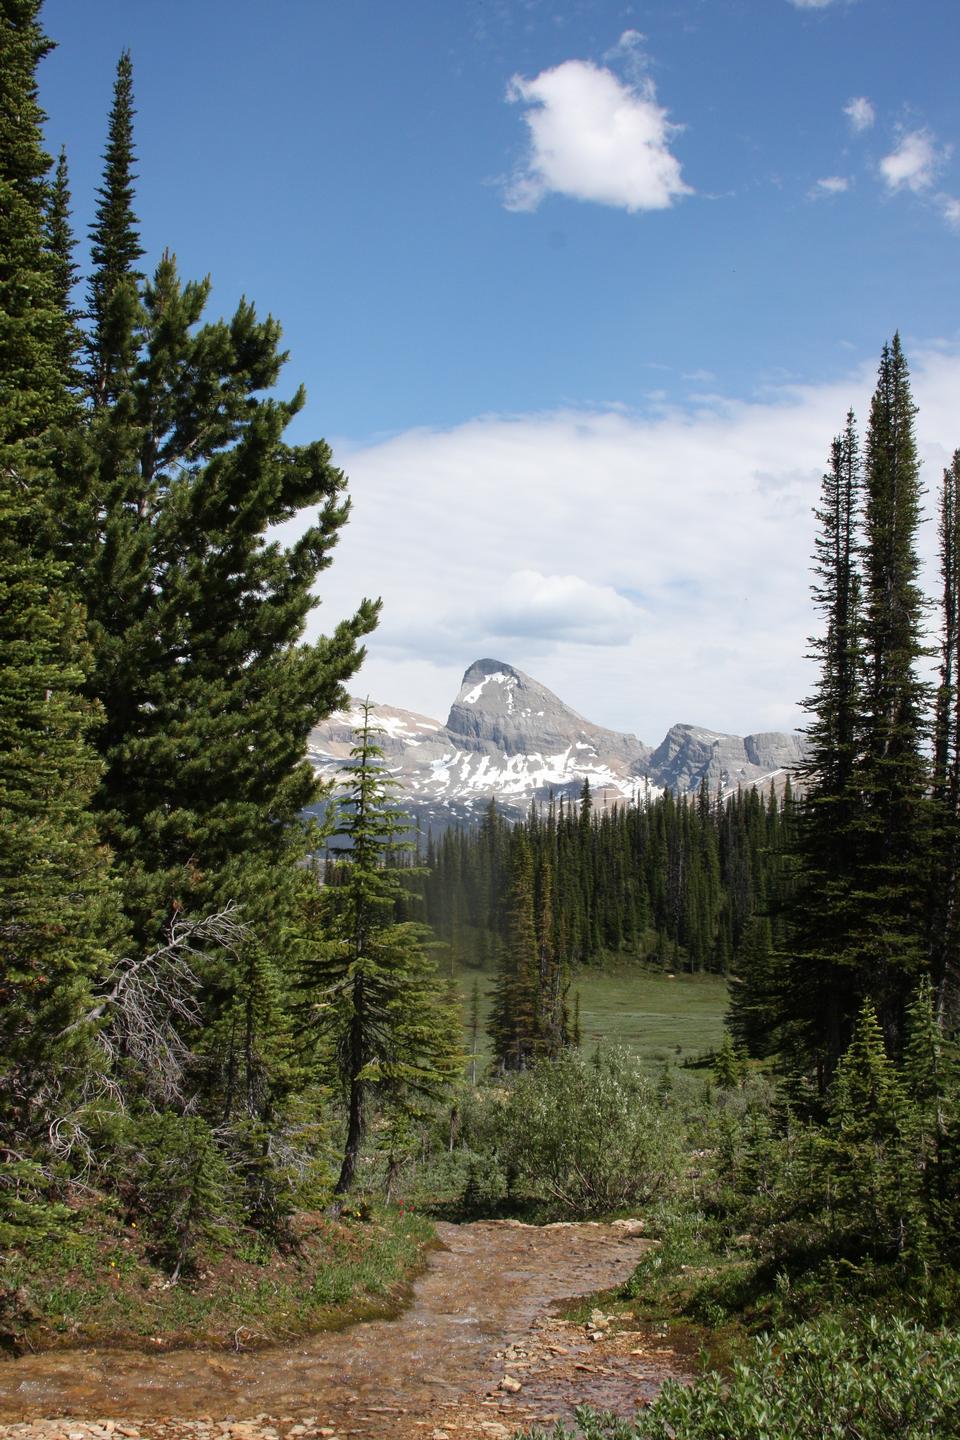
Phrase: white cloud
(629, 47)
(913, 164)
(950, 208)
(860, 112)
(526, 607)
(649, 569)
(559, 607)
(593, 137)
(831, 185)
(811, 4)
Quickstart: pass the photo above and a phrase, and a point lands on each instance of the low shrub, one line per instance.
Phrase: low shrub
(590, 1136)
(885, 1380)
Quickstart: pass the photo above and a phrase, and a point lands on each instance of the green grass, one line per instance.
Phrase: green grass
(91, 1287)
(655, 1017)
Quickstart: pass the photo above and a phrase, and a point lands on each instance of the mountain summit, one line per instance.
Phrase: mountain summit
(498, 705)
(508, 737)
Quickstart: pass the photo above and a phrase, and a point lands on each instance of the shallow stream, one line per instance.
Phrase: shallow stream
(481, 1316)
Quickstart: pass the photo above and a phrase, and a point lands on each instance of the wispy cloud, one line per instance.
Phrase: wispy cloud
(594, 137)
(811, 4)
(950, 207)
(861, 113)
(491, 536)
(560, 607)
(630, 55)
(913, 164)
(830, 185)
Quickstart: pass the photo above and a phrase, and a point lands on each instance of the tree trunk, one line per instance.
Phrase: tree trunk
(355, 1132)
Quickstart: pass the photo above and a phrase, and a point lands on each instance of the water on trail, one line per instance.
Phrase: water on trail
(479, 1348)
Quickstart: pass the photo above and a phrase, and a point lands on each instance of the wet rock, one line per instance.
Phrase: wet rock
(629, 1227)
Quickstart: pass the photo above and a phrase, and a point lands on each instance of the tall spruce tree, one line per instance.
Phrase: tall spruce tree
(196, 615)
(374, 994)
(861, 928)
(893, 846)
(56, 924)
(513, 1023)
(61, 244)
(944, 903)
(114, 250)
(818, 996)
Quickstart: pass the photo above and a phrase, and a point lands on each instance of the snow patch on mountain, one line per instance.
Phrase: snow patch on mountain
(508, 737)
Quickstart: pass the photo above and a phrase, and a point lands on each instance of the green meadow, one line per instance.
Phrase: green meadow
(657, 1016)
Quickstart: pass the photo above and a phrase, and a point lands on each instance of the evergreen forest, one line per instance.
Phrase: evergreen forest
(219, 1048)
(698, 885)
(180, 1008)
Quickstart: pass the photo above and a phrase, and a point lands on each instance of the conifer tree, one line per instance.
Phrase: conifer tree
(114, 250)
(873, 1192)
(889, 939)
(930, 1079)
(60, 245)
(755, 996)
(513, 1024)
(944, 901)
(56, 924)
(821, 992)
(196, 616)
(552, 978)
(864, 833)
(377, 995)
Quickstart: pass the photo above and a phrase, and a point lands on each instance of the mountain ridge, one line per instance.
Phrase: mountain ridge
(510, 738)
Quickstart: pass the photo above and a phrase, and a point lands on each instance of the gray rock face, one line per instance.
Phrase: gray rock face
(501, 707)
(689, 755)
(509, 737)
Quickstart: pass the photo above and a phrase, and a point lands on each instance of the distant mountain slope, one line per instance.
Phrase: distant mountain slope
(510, 737)
(687, 755)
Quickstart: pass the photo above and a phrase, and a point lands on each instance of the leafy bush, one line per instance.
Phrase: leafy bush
(591, 1136)
(886, 1381)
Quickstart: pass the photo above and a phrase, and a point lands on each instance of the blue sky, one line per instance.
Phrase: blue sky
(580, 293)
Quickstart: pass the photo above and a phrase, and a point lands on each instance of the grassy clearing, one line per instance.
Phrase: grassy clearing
(658, 1018)
(97, 1285)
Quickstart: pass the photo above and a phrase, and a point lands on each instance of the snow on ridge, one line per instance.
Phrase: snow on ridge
(499, 678)
(456, 775)
(393, 726)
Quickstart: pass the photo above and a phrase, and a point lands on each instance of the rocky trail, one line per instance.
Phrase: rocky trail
(479, 1353)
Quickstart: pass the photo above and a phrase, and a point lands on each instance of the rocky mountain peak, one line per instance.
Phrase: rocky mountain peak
(510, 737)
(689, 755)
(501, 706)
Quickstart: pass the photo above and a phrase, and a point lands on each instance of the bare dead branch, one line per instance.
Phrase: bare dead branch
(147, 1006)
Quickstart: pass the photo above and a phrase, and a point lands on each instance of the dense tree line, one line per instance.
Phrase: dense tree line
(693, 883)
(166, 960)
(873, 913)
(813, 906)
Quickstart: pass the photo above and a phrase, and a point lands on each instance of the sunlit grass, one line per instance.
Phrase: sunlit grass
(657, 1017)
